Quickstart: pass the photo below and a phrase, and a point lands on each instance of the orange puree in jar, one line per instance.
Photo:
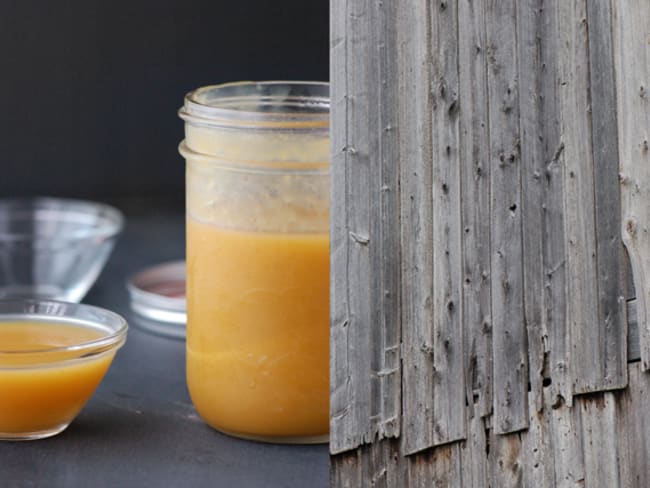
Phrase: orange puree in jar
(257, 348)
(39, 390)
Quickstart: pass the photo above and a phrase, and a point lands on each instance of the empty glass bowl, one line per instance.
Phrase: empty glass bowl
(53, 355)
(54, 248)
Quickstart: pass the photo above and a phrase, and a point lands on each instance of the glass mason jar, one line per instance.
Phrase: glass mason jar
(258, 258)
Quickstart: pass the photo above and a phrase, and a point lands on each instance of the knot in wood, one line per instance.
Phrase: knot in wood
(630, 227)
(452, 111)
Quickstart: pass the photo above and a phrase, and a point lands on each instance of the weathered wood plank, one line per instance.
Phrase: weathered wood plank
(345, 470)
(509, 332)
(631, 27)
(378, 465)
(632, 419)
(474, 455)
(555, 296)
(506, 460)
(564, 430)
(350, 289)
(436, 468)
(365, 251)
(372, 240)
(633, 348)
(585, 333)
(392, 464)
(340, 367)
(529, 73)
(417, 225)
(610, 370)
(603, 439)
(386, 255)
(449, 394)
(537, 449)
(475, 205)
(598, 419)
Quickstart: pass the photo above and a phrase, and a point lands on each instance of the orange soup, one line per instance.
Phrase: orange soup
(258, 335)
(42, 390)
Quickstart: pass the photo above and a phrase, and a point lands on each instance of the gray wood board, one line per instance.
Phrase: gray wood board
(449, 393)
(510, 354)
(365, 244)
(476, 214)
(533, 155)
(417, 228)
(631, 32)
(475, 207)
(600, 442)
(611, 352)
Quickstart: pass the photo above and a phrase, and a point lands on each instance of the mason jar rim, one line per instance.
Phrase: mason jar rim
(277, 105)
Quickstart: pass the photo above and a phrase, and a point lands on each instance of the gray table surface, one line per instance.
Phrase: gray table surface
(140, 428)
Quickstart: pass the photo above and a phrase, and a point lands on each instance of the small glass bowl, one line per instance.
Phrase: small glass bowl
(54, 248)
(53, 355)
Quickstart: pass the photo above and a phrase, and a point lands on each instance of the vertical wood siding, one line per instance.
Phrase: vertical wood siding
(631, 42)
(365, 245)
(489, 160)
(475, 207)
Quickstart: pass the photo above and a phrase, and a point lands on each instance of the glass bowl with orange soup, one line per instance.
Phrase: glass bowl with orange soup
(53, 355)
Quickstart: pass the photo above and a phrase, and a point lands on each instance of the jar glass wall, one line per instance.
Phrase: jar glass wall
(258, 258)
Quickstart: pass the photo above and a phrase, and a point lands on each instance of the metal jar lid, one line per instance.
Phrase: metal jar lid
(158, 299)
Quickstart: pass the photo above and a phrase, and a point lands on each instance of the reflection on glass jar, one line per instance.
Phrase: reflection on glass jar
(258, 258)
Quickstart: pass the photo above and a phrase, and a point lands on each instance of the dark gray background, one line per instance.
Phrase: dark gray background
(89, 89)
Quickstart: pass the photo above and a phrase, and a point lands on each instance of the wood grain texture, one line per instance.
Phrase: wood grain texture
(537, 448)
(507, 461)
(579, 206)
(599, 442)
(510, 353)
(598, 419)
(531, 124)
(475, 205)
(566, 444)
(344, 432)
(449, 393)
(633, 347)
(553, 220)
(611, 354)
(631, 28)
(350, 289)
(416, 177)
(385, 307)
(365, 246)
(474, 454)
(634, 447)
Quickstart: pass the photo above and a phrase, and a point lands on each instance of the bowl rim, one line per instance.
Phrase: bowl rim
(115, 328)
(113, 216)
